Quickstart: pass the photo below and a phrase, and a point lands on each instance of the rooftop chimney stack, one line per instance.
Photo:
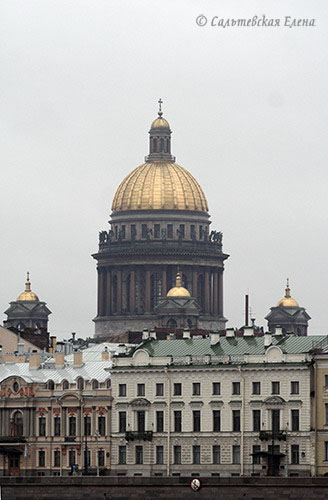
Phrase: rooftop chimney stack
(267, 339)
(230, 332)
(248, 331)
(214, 338)
(145, 334)
(35, 361)
(59, 360)
(186, 334)
(77, 359)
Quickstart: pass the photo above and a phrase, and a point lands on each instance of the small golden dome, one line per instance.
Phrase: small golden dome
(287, 300)
(160, 122)
(178, 290)
(28, 295)
(159, 185)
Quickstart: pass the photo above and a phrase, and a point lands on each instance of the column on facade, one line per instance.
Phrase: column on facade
(207, 292)
(220, 287)
(99, 302)
(132, 291)
(194, 284)
(108, 294)
(215, 293)
(148, 291)
(124, 275)
(164, 283)
(119, 291)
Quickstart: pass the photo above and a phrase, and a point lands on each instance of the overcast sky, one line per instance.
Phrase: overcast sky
(79, 85)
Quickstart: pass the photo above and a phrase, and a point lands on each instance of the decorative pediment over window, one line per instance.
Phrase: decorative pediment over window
(140, 402)
(274, 400)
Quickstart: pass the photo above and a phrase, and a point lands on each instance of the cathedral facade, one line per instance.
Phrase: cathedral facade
(159, 228)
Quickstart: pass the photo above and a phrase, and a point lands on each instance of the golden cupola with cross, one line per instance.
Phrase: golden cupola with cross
(159, 226)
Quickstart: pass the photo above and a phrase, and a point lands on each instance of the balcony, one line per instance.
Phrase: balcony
(272, 435)
(139, 435)
(69, 439)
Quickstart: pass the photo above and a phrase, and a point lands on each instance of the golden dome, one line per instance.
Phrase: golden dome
(287, 300)
(160, 122)
(178, 290)
(28, 295)
(159, 185)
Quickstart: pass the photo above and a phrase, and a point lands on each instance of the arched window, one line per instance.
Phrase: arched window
(108, 383)
(200, 290)
(72, 426)
(114, 295)
(156, 289)
(65, 385)
(95, 384)
(189, 323)
(154, 145)
(171, 323)
(50, 385)
(80, 384)
(20, 326)
(161, 145)
(18, 424)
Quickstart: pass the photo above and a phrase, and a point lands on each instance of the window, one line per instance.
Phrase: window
(122, 390)
(80, 384)
(72, 426)
(140, 389)
(200, 232)
(196, 454)
(122, 455)
(236, 420)
(275, 415)
(216, 452)
(159, 421)
(122, 421)
(177, 390)
(51, 385)
(87, 425)
(18, 424)
(144, 230)
(216, 388)
(71, 457)
(42, 458)
(57, 426)
(133, 231)
(256, 420)
(102, 425)
(86, 458)
(326, 451)
(295, 420)
(236, 454)
(95, 384)
(196, 420)
(123, 232)
(294, 387)
(157, 230)
(236, 388)
(42, 426)
(159, 389)
(182, 230)
(141, 421)
(256, 386)
(256, 456)
(108, 383)
(139, 455)
(177, 421)
(57, 458)
(275, 388)
(295, 454)
(326, 413)
(160, 455)
(177, 455)
(65, 385)
(101, 458)
(216, 420)
(170, 230)
(196, 389)
(326, 380)
(192, 232)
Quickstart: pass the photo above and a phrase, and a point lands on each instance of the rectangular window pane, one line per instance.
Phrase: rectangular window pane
(256, 458)
(294, 388)
(122, 455)
(140, 421)
(235, 420)
(42, 426)
(102, 425)
(57, 458)
(57, 426)
(160, 455)
(295, 454)
(192, 232)
(139, 455)
(122, 421)
(140, 389)
(216, 388)
(177, 390)
(72, 426)
(256, 420)
(256, 387)
(159, 421)
(216, 454)
(71, 457)
(159, 389)
(275, 420)
(326, 413)
(326, 451)
(177, 421)
(157, 230)
(87, 425)
(101, 458)
(196, 454)
(181, 231)
(236, 454)
(144, 230)
(177, 455)
(216, 420)
(42, 458)
(295, 420)
(196, 389)
(236, 388)
(196, 420)
(275, 388)
(122, 390)
(170, 230)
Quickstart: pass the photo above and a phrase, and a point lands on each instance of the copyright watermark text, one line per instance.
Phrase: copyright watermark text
(255, 21)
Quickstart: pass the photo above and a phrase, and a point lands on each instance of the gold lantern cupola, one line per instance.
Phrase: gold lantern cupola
(287, 300)
(178, 290)
(28, 295)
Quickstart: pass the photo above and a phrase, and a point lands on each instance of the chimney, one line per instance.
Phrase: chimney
(35, 360)
(267, 339)
(9, 358)
(186, 334)
(145, 334)
(53, 343)
(278, 330)
(152, 334)
(20, 347)
(59, 360)
(248, 331)
(230, 332)
(77, 359)
(121, 349)
(105, 354)
(214, 338)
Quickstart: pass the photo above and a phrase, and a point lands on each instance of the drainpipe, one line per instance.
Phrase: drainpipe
(242, 421)
(168, 423)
